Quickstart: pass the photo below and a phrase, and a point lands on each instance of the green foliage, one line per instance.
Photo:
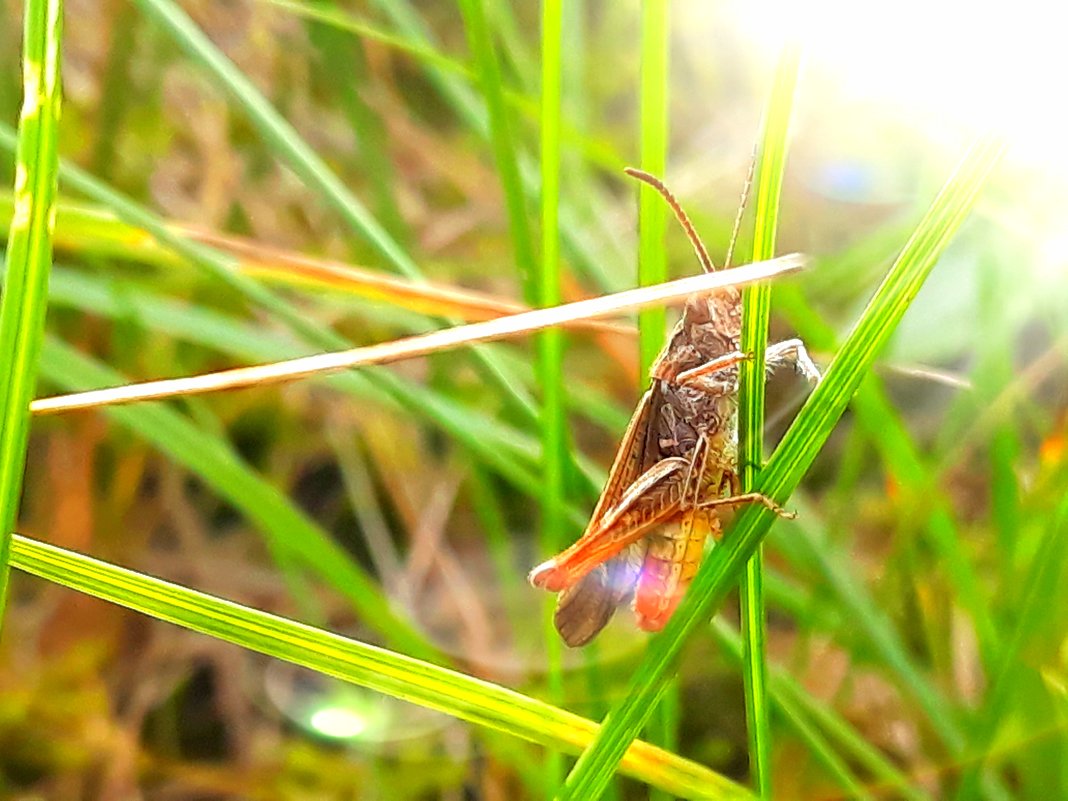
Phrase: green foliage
(910, 606)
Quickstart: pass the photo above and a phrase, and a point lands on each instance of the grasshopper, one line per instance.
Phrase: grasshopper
(675, 478)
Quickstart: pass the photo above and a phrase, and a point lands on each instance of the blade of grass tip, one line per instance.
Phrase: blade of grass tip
(24, 300)
(551, 343)
(501, 139)
(787, 466)
(465, 697)
(652, 257)
(756, 309)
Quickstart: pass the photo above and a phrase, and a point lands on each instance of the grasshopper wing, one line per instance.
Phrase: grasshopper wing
(585, 608)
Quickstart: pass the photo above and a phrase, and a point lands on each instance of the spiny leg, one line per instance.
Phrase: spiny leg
(788, 353)
(749, 497)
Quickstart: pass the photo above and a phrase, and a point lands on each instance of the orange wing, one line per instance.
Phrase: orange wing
(585, 608)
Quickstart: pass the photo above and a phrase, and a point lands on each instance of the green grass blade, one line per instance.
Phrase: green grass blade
(1032, 620)
(823, 730)
(115, 102)
(877, 417)
(788, 464)
(349, 22)
(218, 265)
(24, 301)
(755, 313)
(652, 254)
(464, 697)
(652, 211)
(501, 138)
(510, 452)
(551, 343)
(343, 54)
(501, 455)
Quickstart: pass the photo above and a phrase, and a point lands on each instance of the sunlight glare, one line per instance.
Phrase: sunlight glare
(338, 722)
(942, 63)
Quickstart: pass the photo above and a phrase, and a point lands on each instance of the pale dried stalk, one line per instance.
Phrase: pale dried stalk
(423, 344)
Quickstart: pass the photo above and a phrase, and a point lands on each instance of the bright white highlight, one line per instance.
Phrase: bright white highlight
(339, 723)
(946, 64)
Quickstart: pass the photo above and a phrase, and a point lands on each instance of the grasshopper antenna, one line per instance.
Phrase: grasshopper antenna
(680, 215)
(741, 207)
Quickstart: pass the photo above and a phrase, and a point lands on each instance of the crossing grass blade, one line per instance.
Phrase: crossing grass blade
(399, 676)
(788, 464)
(24, 300)
(832, 739)
(550, 346)
(500, 455)
(284, 140)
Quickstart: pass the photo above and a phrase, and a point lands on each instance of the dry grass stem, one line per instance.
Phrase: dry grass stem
(422, 344)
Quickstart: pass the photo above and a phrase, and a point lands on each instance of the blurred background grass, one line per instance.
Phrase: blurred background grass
(917, 606)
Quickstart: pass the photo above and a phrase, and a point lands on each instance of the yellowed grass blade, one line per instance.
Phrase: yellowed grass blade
(423, 297)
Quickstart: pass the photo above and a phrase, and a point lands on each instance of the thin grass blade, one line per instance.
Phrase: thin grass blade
(24, 300)
(756, 310)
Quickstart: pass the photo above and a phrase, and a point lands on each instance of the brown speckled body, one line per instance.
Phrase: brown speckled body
(647, 534)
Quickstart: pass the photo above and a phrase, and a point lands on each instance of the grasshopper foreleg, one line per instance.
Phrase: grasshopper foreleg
(788, 353)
